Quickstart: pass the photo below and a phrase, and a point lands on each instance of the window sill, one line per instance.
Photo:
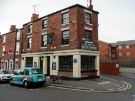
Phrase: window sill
(64, 45)
(44, 29)
(64, 24)
(43, 47)
(89, 24)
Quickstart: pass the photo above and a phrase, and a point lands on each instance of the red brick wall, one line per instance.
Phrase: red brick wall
(109, 69)
(124, 50)
(76, 31)
(105, 51)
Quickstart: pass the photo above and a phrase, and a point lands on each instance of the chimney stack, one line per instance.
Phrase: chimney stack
(34, 17)
(91, 6)
(12, 28)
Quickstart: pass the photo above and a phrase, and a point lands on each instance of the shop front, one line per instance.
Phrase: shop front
(67, 63)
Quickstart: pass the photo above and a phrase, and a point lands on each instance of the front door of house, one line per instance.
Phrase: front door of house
(48, 65)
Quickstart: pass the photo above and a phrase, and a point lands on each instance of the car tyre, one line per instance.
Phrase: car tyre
(26, 85)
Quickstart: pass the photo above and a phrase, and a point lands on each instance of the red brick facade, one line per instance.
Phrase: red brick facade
(73, 36)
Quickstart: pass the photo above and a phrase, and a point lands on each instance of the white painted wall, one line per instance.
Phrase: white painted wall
(77, 66)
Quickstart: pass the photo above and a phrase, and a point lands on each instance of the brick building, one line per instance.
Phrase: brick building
(121, 50)
(105, 51)
(10, 50)
(64, 42)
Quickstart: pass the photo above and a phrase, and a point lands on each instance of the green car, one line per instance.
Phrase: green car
(28, 76)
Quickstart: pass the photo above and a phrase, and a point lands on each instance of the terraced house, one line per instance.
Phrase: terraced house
(62, 43)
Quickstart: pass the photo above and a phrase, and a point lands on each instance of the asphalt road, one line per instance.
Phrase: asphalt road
(13, 93)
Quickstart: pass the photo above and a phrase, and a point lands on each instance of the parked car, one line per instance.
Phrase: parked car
(5, 75)
(28, 76)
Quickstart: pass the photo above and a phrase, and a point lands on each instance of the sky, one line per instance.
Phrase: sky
(116, 17)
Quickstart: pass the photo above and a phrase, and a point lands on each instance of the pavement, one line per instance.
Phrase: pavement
(102, 84)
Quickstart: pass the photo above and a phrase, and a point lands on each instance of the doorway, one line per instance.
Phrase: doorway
(48, 66)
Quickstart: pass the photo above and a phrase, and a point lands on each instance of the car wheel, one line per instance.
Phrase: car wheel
(26, 85)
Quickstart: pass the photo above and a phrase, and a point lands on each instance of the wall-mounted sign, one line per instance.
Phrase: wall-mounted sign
(75, 60)
(88, 46)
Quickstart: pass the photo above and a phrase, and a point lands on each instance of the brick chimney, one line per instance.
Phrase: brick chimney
(91, 6)
(34, 17)
(12, 28)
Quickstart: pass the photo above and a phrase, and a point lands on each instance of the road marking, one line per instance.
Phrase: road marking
(106, 82)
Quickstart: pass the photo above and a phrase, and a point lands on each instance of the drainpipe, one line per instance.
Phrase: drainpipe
(14, 54)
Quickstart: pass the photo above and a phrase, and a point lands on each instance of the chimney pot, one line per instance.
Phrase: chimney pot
(12, 28)
(34, 17)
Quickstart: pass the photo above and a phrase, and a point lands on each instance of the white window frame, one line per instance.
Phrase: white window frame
(120, 54)
(18, 35)
(120, 47)
(4, 39)
(65, 18)
(17, 48)
(127, 46)
(45, 23)
(29, 42)
(128, 53)
(3, 50)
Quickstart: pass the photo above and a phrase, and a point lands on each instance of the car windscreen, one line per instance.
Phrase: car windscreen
(36, 71)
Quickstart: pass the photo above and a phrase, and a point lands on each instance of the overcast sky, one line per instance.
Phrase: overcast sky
(116, 18)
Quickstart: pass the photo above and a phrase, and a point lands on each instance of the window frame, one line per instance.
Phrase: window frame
(65, 41)
(30, 28)
(29, 43)
(65, 18)
(66, 63)
(42, 41)
(88, 18)
(44, 25)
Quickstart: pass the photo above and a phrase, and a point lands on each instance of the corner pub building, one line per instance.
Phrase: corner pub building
(63, 43)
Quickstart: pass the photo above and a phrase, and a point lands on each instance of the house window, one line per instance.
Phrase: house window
(45, 24)
(2, 64)
(87, 63)
(16, 64)
(44, 40)
(120, 47)
(88, 36)
(127, 46)
(3, 50)
(30, 28)
(128, 53)
(120, 54)
(65, 37)
(87, 18)
(4, 39)
(18, 35)
(29, 42)
(17, 47)
(66, 63)
(65, 18)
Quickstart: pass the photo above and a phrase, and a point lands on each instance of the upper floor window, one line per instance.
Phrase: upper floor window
(30, 28)
(87, 18)
(29, 42)
(3, 50)
(127, 46)
(18, 35)
(17, 47)
(65, 37)
(4, 39)
(120, 54)
(88, 36)
(44, 40)
(45, 24)
(120, 47)
(128, 53)
(65, 18)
